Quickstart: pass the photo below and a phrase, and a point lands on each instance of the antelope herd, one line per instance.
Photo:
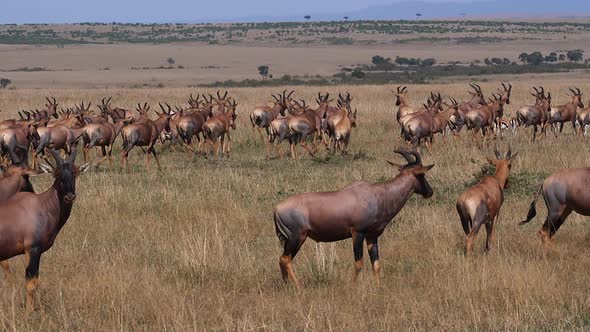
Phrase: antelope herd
(30, 221)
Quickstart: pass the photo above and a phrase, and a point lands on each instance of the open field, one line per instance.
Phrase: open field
(103, 56)
(194, 246)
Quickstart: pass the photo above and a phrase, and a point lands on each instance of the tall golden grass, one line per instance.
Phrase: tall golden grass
(194, 247)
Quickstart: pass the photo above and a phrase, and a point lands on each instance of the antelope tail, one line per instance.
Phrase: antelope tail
(532, 210)
(283, 232)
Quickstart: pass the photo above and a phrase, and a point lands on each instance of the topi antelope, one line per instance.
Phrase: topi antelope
(29, 222)
(564, 192)
(426, 124)
(216, 128)
(583, 118)
(145, 132)
(484, 117)
(190, 124)
(535, 115)
(342, 131)
(360, 211)
(304, 122)
(101, 135)
(15, 178)
(262, 116)
(481, 203)
(567, 112)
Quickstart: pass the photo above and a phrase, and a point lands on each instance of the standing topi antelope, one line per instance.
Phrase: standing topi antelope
(360, 211)
(216, 128)
(29, 222)
(481, 203)
(145, 132)
(564, 192)
(262, 116)
(566, 113)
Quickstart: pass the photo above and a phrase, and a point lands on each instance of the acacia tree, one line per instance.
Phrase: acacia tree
(575, 55)
(523, 57)
(263, 71)
(307, 17)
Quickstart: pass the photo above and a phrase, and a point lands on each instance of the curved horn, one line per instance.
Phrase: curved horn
(73, 155)
(406, 154)
(509, 153)
(13, 158)
(496, 152)
(57, 157)
(290, 93)
(225, 95)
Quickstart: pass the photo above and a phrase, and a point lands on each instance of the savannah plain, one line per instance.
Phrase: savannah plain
(194, 247)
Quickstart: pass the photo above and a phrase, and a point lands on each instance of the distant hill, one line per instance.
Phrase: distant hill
(407, 9)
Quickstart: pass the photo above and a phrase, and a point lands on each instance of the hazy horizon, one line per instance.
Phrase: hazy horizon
(186, 11)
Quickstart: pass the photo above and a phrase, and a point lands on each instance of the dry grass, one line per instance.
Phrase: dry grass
(194, 247)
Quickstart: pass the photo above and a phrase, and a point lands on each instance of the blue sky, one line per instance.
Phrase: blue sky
(59, 11)
(189, 11)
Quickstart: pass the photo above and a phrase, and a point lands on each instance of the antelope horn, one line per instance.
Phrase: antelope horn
(399, 87)
(275, 98)
(496, 152)
(57, 157)
(573, 91)
(406, 154)
(13, 158)
(218, 96)
(416, 156)
(290, 93)
(404, 89)
(225, 95)
(73, 155)
(509, 153)
(579, 92)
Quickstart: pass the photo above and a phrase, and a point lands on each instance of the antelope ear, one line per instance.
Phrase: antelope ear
(84, 168)
(46, 168)
(423, 169)
(399, 167)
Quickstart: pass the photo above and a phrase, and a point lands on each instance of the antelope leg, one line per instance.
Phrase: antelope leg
(373, 250)
(32, 260)
(357, 248)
